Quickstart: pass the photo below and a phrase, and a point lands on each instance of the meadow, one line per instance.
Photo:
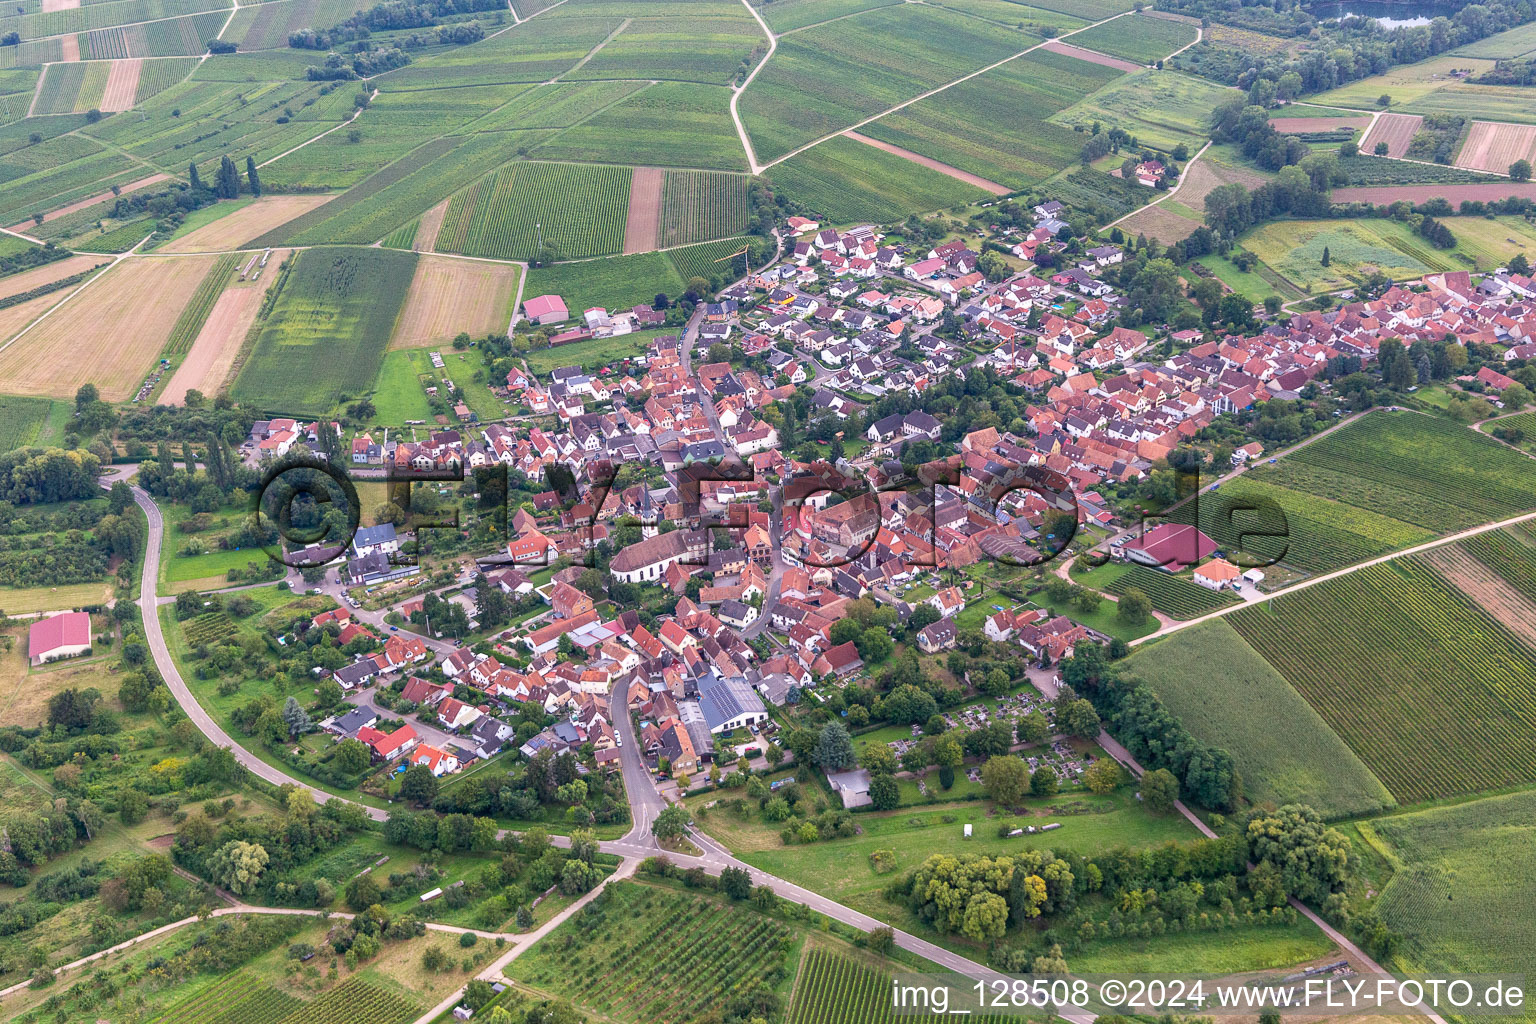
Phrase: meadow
(1433, 693)
(828, 78)
(1228, 696)
(398, 394)
(577, 209)
(1517, 42)
(1419, 469)
(670, 124)
(614, 282)
(1458, 894)
(1356, 248)
(1159, 108)
(327, 331)
(847, 181)
(994, 124)
(1137, 37)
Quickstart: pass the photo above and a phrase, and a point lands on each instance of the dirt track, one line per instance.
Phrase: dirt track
(933, 165)
(1492, 146)
(122, 85)
(1092, 56)
(1396, 130)
(431, 223)
(644, 209)
(1486, 590)
(71, 45)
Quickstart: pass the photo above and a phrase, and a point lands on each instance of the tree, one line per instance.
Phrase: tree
(193, 179)
(834, 748)
(418, 785)
(1134, 607)
(1159, 791)
(1103, 776)
(1044, 781)
(877, 759)
(237, 866)
(250, 173)
(1313, 860)
(881, 940)
(363, 892)
(1520, 170)
(352, 757)
(671, 823)
(884, 793)
(1005, 777)
(1034, 728)
(1327, 258)
(132, 806)
(736, 883)
(1080, 720)
(295, 717)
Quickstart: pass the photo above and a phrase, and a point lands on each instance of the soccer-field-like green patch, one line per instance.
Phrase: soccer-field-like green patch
(327, 330)
(670, 124)
(1436, 696)
(845, 181)
(1228, 696)
(833, 76)
(1460, 896)
(1137, 37)
(579, 209)
(616, 282)
(994, 124)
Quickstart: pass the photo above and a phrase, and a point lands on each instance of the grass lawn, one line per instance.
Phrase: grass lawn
(1102, 619)
(20, 601)
(1248, 948)
(1257, 283)
(214, 564)
(398, 394)
(596, 353)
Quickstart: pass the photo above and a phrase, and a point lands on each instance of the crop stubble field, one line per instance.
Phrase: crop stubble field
(448, 296)
(1493, 147)
(212, 353)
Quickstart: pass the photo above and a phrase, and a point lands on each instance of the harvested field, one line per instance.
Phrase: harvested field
(63, 211)
(1159, 222)
(1492, 146)
(213, 353)
(234, 229)
(449, 295)
(71, 47)
(39, 276)
(644, 210)
(59, 5)
(1092, 56)
(107, 335)
(1420, 193)
(1487, 590)
(1205, 174)
(1300, 125)
(14, 318)
(1396, 130)
(427, 229)
(122, 85)
(942, 168)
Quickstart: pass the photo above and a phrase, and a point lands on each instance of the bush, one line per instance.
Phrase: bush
(468, 939)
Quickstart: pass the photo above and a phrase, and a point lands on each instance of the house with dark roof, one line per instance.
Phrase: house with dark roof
(729, 703)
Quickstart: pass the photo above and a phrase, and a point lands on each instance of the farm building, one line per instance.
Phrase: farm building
(1171, 546)
(61, 636)
(546, 309)
(1217, 574)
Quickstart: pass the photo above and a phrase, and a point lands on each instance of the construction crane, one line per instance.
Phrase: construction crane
(743, 251)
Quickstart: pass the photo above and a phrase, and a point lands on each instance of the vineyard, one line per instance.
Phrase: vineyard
(1175, 595)
(156, 76)
(1436, 696)
(699, 260)
(1512, 558)
(834, 989)
(208, 628)
(356, 1002)
(196, 311)
(577, 209)
(714, 952)
(237, 998)
(845, 181)
(1419, 469)
(699, 205)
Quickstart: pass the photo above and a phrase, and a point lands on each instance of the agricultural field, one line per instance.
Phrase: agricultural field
(670, 124)
(1356, 248)
(533, 52)
(212, 354)
(176, 37)
(1396, 130)
(233, 224)
(615, 282)
(1454, 194)
(266, 26)
(578, 209)
(1227, 695)
(25, 421)
(709, 259)
(190, 323)
(1488, 588)
(1456, 895)
(1137, 37)
(1420, 469)
(450, 296)
(71, 88)
(1517, 42)
(550, 105)
(725, 949)
(156, 76)
(327, 331)
(700, 205)
(1493, 147)
(1403, 84)
(847, 181)
(994, 124)
(1508, 553)
(1432, 692)
(835, 989)
(829, 78)
(141, 297)
(83, 17)
(27, 600)
(791, 15)
(704, 41)
(48, 274)
(1178, 596)
(1159, 108)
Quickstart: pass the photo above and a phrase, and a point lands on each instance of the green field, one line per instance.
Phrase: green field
(532, 52)
(594, 354)
(397, 394)
(670, 124)
(1179, 596)
(1137, 37)
(845, 181)
(1420, 469)
(267, 25)
(1356, 248)
(616, 282)
(994, 124)
(1458, 894)
(700, 205)
(729, 948)
(1511, 554)
(1228, 696)
(1251, 283)
(789, 15)
(1159, 108)
(327, 331)
(829, 78)
(836, 989)
(30, 421)
(1434, 694)
(700, 41)
(579, 209)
